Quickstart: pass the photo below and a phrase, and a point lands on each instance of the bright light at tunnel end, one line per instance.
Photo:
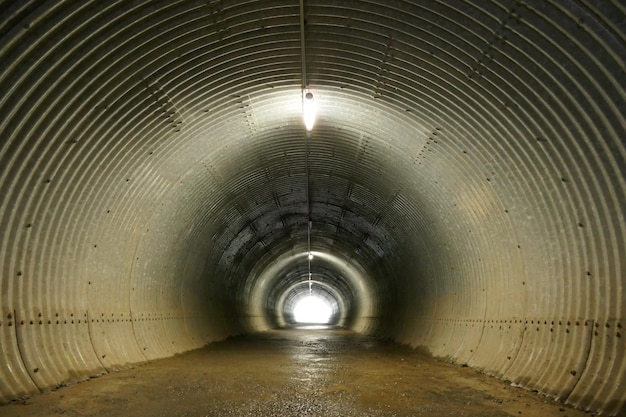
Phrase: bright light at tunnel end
(312, 310)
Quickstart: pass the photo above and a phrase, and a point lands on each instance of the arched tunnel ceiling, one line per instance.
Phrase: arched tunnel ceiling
(467, 165)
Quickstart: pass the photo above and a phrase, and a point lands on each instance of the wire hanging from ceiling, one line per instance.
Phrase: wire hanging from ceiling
(302, 46)
(307, 98)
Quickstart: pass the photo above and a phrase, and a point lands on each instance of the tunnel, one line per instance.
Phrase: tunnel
(462, 191)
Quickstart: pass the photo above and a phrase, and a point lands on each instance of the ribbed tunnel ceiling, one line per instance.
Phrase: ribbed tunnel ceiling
(465, 182)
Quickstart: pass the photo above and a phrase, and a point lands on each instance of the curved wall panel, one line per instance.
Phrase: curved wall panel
(465, 182)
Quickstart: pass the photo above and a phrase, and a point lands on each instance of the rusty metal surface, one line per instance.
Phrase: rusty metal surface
(468, 163)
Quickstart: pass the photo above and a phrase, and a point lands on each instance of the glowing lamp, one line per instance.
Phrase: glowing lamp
(308, 108)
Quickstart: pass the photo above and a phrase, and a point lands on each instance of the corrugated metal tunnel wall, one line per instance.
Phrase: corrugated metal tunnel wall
(465, 182)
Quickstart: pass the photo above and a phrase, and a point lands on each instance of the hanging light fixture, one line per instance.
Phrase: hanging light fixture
(308, 110)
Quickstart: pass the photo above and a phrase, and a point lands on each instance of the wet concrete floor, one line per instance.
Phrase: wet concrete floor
(307, 372)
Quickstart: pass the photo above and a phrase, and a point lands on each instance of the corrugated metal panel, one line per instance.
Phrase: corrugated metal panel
(600, 385)
(113, 340)
(550, 357)
(55, 347)
(15, 377)
(499, 347)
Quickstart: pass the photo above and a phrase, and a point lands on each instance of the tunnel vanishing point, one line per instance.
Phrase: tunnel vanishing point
(463, 189)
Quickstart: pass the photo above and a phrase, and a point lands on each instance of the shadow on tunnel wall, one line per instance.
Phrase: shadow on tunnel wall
(468, 160)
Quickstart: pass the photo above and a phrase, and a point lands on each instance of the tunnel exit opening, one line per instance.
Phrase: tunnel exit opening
(312, 310)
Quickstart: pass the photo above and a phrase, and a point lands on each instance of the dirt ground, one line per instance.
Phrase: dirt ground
(308, 372)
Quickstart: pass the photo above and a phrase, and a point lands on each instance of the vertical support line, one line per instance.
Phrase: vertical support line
(305, 84)
(308, 209)
(304, 87)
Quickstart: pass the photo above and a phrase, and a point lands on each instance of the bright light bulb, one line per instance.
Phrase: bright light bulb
(310, 256)
(308, 108)
(312, 309)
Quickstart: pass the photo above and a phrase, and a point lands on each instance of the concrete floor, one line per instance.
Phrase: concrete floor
(295, 372)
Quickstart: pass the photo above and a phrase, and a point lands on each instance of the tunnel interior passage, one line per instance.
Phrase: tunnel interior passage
(462, 190)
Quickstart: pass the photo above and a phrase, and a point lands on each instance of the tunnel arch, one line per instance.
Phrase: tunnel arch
(466, 181)
(346, 280)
